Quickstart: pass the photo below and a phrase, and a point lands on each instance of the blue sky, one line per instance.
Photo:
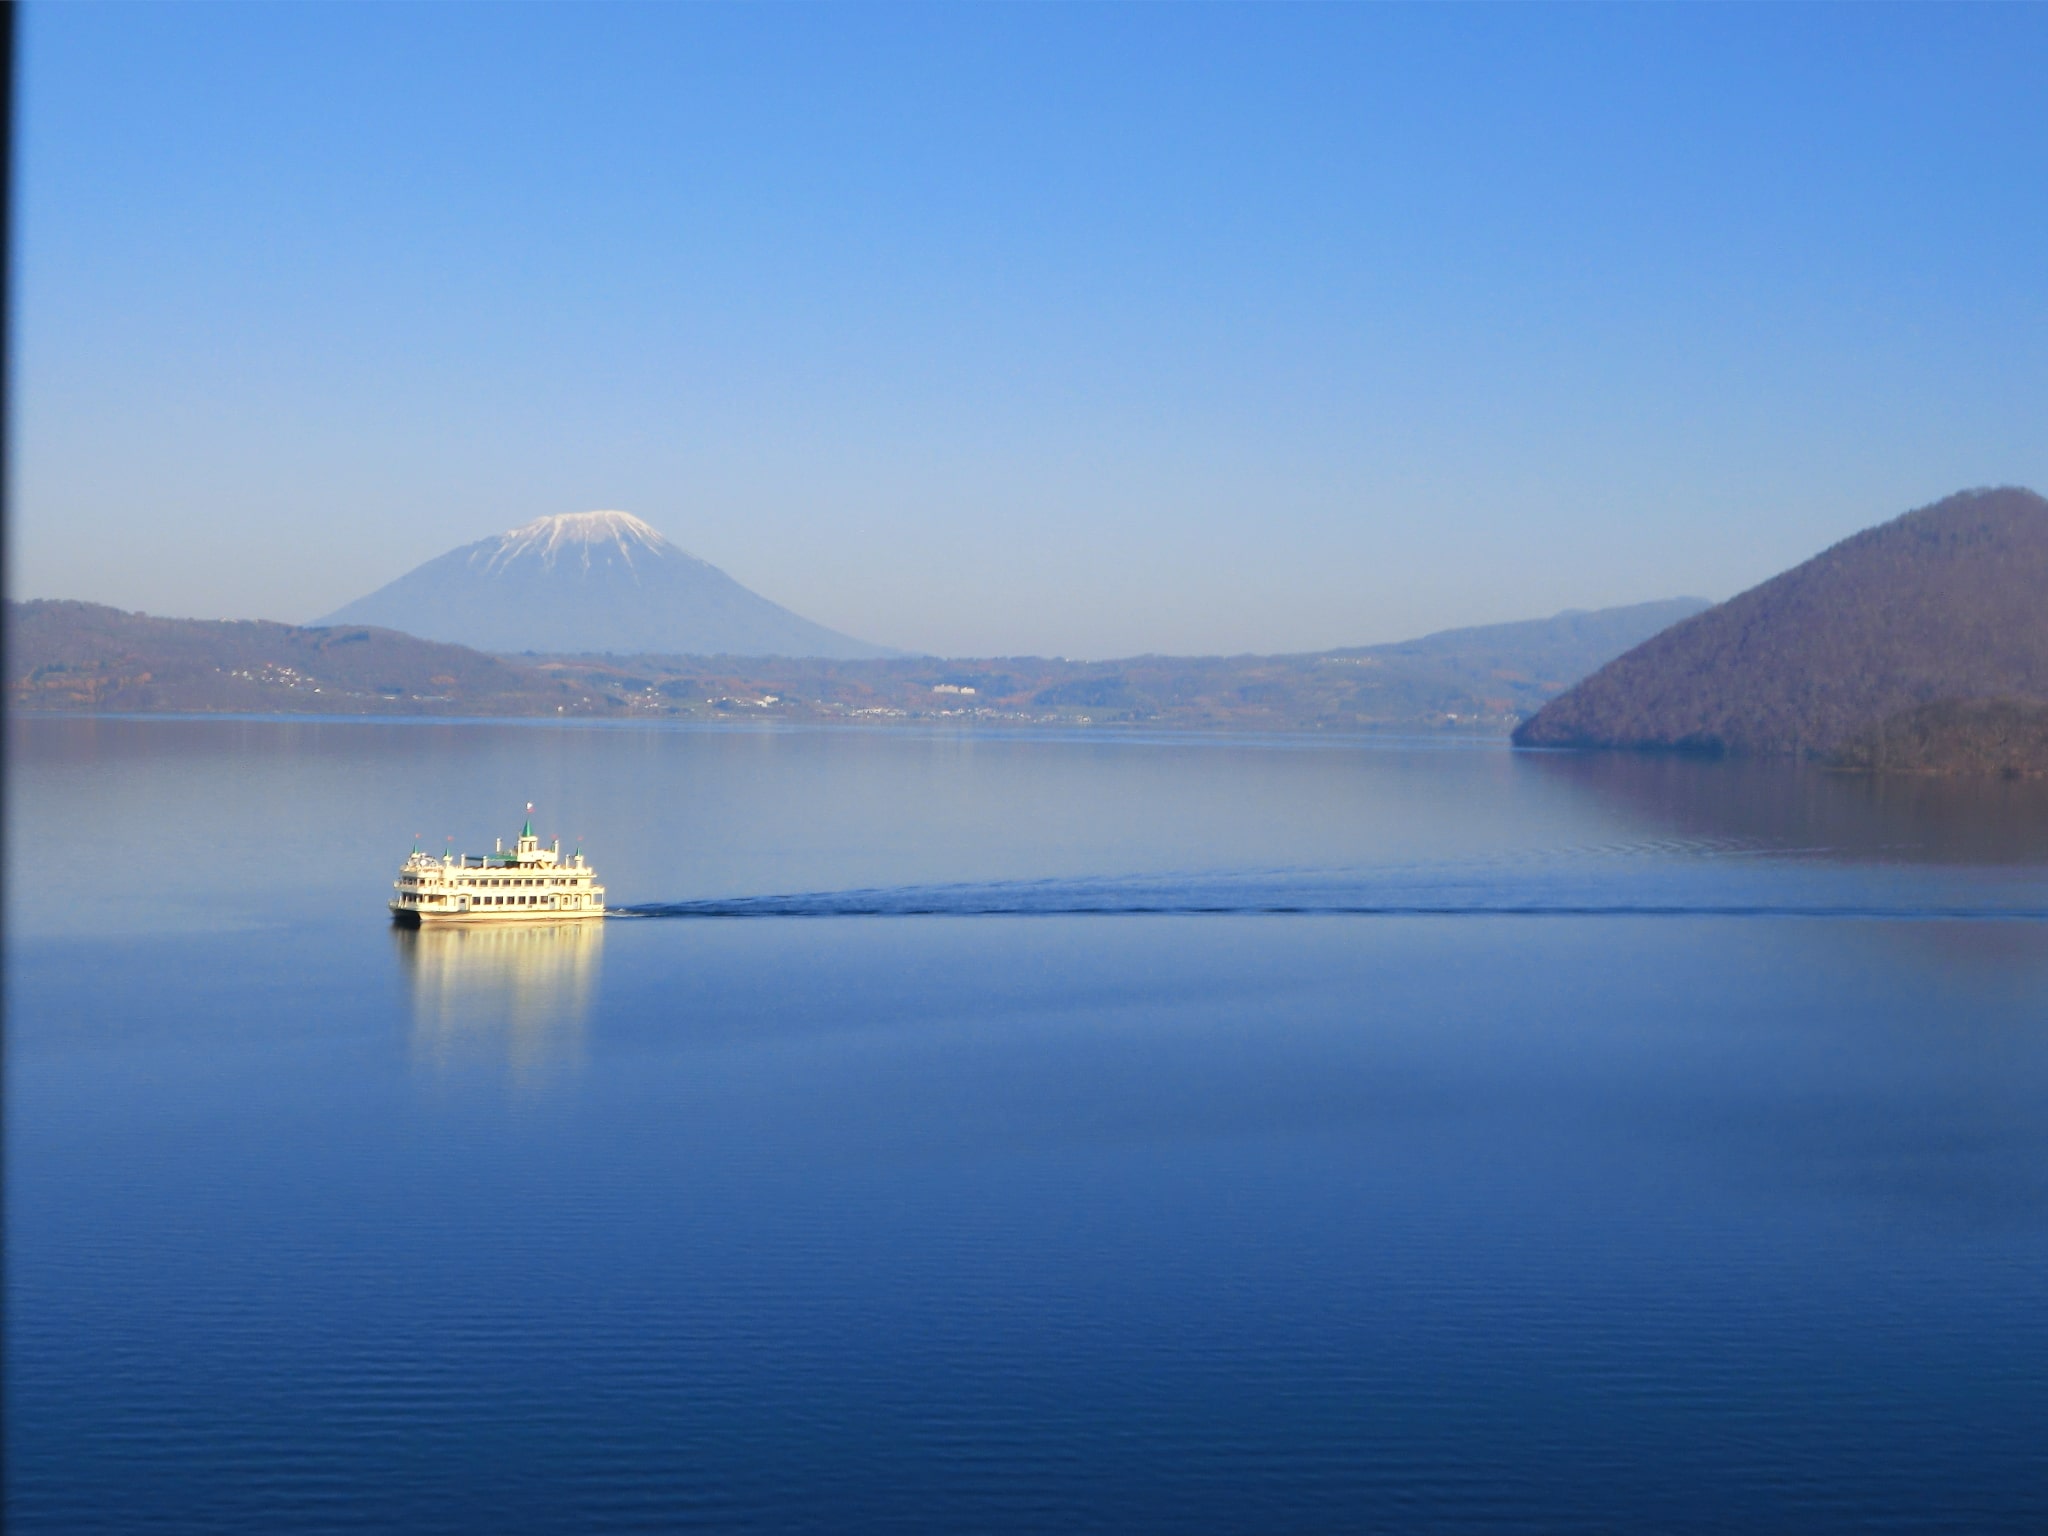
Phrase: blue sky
(1071, 330)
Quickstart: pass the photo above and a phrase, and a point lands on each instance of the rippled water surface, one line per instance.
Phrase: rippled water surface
(982, 1133)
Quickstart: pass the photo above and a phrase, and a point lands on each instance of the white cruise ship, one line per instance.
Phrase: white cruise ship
(529, 884)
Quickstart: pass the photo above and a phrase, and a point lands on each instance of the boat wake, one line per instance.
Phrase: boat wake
(1742, 890)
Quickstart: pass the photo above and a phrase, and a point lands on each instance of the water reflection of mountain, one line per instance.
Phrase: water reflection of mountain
(1773, 805)
(520, 994)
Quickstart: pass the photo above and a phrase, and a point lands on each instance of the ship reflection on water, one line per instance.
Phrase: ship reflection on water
(515, 994)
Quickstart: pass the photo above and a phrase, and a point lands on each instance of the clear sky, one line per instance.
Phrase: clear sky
(1071, 330)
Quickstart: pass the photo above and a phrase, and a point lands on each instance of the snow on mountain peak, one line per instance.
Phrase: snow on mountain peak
(563, 533)
(584, 528)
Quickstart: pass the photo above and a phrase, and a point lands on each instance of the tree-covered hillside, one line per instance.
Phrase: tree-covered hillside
(1944, 605)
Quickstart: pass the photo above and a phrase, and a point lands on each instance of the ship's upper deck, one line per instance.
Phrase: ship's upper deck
(526, 853)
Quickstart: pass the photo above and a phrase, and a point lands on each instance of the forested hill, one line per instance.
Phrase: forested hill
(1886, 633)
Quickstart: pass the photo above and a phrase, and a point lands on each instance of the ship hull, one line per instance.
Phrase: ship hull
(412, 917)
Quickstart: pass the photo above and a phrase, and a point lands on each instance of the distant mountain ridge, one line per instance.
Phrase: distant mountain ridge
(1556, 651)
(81, 656)
(1944, 606)
(590, 583)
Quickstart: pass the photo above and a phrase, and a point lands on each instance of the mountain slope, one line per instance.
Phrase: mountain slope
(590, 582)
(1948, 603)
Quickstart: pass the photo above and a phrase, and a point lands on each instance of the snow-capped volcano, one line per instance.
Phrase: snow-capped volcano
(590, 581)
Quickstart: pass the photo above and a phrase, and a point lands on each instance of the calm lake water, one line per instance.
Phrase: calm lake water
(983, 1133)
